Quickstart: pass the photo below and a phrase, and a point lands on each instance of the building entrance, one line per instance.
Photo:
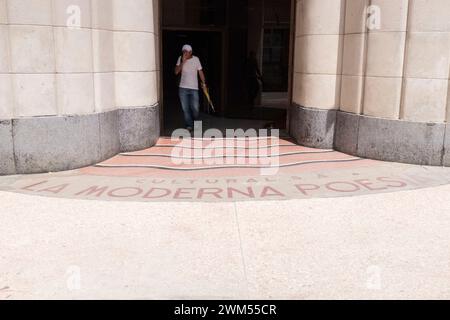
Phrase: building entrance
(234, 39)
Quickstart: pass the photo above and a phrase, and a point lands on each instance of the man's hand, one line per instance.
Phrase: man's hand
(202, 78)
(183, 60)
(186, 57)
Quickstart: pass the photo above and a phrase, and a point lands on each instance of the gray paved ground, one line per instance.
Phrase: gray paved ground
(391, 245)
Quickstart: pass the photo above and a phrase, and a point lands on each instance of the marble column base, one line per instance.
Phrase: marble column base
(58, 143)
(372, 138)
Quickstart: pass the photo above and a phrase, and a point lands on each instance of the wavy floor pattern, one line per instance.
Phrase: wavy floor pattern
(223, 170)
(222, 157)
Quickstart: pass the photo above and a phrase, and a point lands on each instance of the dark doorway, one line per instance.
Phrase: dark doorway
(223, 33)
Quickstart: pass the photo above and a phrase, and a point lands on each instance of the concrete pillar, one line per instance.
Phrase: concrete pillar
(385, 60)
(317, 77)
(78, 81)
(403, 115)
(390, 101)
(427, 62)
(136, 74)
(354, 56)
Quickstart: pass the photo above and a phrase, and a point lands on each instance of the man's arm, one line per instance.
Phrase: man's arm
(179, 68)
(202, 77)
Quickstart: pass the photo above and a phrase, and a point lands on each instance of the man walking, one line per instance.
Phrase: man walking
(189, 66)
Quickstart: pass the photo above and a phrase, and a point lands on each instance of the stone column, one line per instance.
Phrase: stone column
(6, 96)
(426, 86)
(354, 64)
(391, 100)
(77, 82)
(403, 112)
(136, 75)
(317, 77)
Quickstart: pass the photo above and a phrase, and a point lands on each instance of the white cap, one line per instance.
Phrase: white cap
(187, 47)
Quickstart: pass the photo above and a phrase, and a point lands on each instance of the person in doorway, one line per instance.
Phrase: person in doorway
(190, 68)
(253, 77)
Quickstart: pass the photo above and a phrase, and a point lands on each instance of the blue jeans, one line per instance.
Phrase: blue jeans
(191, 106)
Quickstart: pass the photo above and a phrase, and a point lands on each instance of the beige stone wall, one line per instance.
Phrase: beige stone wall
(397, 71)
(46, 68)
(318, 53)
(354, 57)
(427, 61)
(135, 41)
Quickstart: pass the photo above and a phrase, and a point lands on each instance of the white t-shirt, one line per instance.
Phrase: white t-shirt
(189, 79)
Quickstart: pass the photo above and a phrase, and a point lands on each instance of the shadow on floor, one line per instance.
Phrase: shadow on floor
(239, 117)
